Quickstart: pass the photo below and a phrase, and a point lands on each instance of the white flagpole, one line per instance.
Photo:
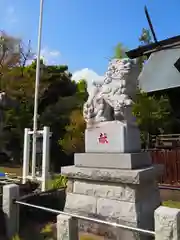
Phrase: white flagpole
(37, 91)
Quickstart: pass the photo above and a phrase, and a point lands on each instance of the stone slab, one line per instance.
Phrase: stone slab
(81, 203)
(113, 209)
(135, 176)
(114, 191)
(100, 190)
(113, 160)
(112, 137)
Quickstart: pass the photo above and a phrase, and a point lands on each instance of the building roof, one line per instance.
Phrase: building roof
(154, 47)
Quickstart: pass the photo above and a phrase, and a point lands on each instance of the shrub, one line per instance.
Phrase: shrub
(16, 237)
(59, 182)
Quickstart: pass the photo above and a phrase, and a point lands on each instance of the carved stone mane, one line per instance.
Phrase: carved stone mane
(113, 99)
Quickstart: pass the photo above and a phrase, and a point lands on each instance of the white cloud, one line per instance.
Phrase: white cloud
(87, 74)
(11, 16)
(50, 56)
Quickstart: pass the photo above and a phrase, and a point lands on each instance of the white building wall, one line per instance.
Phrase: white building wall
(159, 71)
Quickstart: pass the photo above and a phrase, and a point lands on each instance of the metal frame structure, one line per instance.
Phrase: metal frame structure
(45, 157)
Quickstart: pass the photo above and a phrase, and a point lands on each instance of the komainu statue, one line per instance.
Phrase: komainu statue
(113, 98)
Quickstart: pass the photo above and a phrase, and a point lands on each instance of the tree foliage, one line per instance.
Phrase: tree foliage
(153, 115)
(120, 51)
(58, 97)
(145, 37)
(73, 140)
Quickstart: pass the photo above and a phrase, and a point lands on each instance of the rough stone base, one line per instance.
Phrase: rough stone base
(128, 197)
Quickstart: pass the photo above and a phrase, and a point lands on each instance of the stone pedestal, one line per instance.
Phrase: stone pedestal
(127, 196)
(113, 181)
(112, 137)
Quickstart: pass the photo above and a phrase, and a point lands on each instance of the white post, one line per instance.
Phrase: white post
(26, 154)
(11, 209)
(67, 228)
(37, 90)
(45, 157)
(167, 223)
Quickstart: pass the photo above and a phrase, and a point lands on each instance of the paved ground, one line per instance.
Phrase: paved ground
(173, 195)
(11, 169)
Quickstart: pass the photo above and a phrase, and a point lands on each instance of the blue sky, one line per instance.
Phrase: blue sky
(83, 33)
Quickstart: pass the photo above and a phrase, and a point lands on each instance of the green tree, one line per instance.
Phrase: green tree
(120, 51)
(153, 115)
(73, 140)
(58, 96)
(82, 85)
(13, 57)
(145, 37)
(57, 83)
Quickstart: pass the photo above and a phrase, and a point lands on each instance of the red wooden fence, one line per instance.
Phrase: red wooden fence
(170, 158)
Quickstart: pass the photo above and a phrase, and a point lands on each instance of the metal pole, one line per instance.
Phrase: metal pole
(112, 224)
(37, 91)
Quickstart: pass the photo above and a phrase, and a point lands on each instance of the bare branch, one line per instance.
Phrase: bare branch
(26, 55)
(13, 52)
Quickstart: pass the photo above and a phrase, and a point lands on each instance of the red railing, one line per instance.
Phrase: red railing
(170, 158)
